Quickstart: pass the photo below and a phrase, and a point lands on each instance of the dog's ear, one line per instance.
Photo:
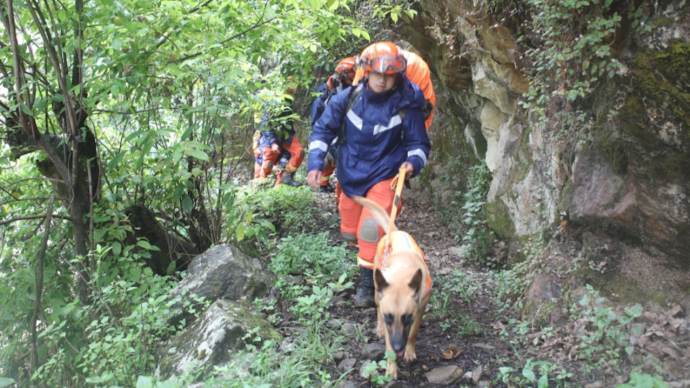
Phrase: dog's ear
(415, 283)
(380, 282)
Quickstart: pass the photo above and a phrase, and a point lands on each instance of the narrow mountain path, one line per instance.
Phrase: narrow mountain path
(458, 333)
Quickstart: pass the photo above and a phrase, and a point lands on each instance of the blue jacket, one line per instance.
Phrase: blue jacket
(273, 131)
(374, 146)
(318, 106)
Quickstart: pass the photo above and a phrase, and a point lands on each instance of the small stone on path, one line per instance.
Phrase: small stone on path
(347, 364)
(364, 366)
(349, 329)
(444, 375)
(458, 251)
(596, 384)
(484, 384)
(477, 374)
(347, 384)
(374, 351)
(483, 346)
(370, 311)
(339, 356)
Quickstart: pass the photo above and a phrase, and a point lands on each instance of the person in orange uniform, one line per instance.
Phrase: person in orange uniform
(380, 126)
(278, 138)
(342, 79)
(418, 72)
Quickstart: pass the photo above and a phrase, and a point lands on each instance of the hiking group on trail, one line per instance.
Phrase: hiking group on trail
(370, 120)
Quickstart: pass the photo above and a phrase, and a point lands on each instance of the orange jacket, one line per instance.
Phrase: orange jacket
(418, 72)
(396, 242)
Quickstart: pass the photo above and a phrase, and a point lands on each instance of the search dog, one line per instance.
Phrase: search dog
(403, 286)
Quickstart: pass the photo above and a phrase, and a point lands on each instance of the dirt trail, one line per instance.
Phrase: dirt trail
(475, 335)
(450, 325)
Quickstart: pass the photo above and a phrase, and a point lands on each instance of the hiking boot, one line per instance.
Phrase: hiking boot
(365, 290)
(327, 189)
(288, 178)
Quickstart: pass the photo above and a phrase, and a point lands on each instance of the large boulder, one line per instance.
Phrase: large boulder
(212, 338)
(223, 272)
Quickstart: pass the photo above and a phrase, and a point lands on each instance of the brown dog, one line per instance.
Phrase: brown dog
(402, 283)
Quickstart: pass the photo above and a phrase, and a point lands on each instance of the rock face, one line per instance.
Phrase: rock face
(211, 339)
(630, 179)
(224, 272)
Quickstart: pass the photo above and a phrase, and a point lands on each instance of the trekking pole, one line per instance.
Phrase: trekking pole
(398, 182)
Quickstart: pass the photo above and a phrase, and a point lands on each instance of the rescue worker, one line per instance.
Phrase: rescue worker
(342, 79)
(381, 128)
(276, 138)
(418, 72)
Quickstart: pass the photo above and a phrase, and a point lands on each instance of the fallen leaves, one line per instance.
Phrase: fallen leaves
(451, 353)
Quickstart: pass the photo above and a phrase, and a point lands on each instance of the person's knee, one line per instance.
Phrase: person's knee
(349, 237)
(370, 230)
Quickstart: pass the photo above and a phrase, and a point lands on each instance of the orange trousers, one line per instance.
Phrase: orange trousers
(358, 220)
(270, 158)
(327, 172)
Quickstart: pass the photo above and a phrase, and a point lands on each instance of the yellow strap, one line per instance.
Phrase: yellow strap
(398, 191)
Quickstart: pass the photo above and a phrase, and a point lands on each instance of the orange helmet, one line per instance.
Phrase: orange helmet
(346, 68)
(382, 57)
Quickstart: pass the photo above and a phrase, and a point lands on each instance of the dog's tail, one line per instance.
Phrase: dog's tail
(379, 213)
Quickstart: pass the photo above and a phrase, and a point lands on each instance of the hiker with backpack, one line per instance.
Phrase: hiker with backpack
(336, 83)
(380, 128)
(277, 138)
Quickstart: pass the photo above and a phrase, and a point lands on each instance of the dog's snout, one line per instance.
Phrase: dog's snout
(398, 342)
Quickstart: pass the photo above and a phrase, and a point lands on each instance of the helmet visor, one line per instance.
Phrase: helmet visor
(388, 64)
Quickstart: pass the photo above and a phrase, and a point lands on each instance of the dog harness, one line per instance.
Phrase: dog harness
(395, 242)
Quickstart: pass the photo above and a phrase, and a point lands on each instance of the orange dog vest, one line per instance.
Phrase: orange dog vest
(395, 242)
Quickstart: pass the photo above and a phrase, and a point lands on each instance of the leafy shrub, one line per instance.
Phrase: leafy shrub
(109, 342)
(478, 237)
(310, 255)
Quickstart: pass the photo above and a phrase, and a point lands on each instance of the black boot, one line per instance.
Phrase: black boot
(327, 189)
(289, 179)
(365, 290)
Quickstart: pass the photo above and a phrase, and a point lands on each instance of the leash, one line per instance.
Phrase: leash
(397, 182)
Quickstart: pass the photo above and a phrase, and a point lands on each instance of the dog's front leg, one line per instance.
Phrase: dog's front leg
(392, 366)
(410, 348)
(380, 326)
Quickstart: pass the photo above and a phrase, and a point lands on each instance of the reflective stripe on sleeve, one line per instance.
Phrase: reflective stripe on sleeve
(318, 144)
(419, 153)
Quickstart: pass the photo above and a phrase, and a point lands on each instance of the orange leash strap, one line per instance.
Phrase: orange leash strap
(398, 181)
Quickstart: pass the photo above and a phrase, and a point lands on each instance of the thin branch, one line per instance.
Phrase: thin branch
(39, 282)
(10, 184)
(28, 199)
(11, 220)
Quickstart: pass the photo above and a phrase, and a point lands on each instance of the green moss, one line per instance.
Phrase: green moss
(614, 150)
(658, 75)
(633, 121)
(498, 219)
(566, 201)
(662, 22)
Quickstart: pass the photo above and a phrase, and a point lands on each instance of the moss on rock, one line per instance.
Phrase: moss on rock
(498, 219)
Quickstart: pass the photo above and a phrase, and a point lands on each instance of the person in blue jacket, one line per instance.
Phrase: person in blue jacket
(341, 80)
(278, 137)
(384, 130)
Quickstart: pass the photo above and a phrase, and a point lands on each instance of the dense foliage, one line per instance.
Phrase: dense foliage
(108, 104)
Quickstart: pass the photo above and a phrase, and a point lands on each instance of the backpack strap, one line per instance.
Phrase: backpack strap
(354, 96)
